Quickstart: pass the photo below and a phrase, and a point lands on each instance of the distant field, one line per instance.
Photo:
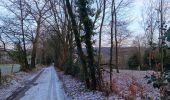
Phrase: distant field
(7, 68)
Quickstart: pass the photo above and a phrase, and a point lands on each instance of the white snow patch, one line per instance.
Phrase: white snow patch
(48, 87)
(14, 81)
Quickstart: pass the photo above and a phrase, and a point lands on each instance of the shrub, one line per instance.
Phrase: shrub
(72, 68)
(162, 82)
(133, 61)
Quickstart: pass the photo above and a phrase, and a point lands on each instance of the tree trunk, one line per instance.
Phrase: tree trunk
(116, 41)
(161, 10)
(89, 32)
(111, 48)
(71, 49)
(33, 55)
(26, 66)
(99, 56)
(140, 58)
(78, 42)
(34, 49)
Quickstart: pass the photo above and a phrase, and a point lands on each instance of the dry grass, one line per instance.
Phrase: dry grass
(131, 90)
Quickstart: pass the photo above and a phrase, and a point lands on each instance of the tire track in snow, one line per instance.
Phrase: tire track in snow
(48, 87)
(21, 90)
(51, 89)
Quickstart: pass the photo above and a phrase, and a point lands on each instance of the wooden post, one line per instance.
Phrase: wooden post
(12, 68)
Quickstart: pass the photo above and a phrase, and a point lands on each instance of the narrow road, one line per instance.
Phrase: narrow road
(48, 87)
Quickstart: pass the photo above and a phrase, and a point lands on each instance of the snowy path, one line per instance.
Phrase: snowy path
(48, 87)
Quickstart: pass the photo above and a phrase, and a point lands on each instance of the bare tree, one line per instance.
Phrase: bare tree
(100, 34)
(154, 24)
(163, 11)
(38, 11)
(20, 15)
(23, 33)
(116, 40)
(111, 48)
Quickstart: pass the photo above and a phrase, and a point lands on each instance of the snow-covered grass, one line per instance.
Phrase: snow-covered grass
(130, 83)
(11, 82)
(127, 85)
(76, 90)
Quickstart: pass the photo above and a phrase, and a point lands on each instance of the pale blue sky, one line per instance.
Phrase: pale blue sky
(136, 15)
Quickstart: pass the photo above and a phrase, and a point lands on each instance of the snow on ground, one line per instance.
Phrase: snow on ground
(127, 78)
(14, 81)
(48, 87)
(75, 89)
